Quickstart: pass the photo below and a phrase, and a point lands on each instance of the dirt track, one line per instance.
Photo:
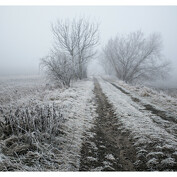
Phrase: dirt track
(107, 149)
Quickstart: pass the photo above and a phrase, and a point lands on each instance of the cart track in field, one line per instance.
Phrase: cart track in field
(107, 149)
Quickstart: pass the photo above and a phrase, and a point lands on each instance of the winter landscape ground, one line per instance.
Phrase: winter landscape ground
(98, 124)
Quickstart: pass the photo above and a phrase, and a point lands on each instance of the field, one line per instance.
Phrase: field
(98, 124)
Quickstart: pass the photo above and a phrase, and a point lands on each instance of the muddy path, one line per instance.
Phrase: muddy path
(104, 148)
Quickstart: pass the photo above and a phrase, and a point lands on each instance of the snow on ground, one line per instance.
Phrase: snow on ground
(80, 113)
(76, 105)
(13, 89)
(154, 138)
(158, 99)
(147, 135)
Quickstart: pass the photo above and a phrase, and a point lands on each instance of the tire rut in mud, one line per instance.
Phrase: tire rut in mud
(107, 149)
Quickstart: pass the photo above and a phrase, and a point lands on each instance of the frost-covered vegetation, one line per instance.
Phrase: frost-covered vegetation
(169, 91)
(47, 128)
(18, 88)
(30, 138)
(154, 136)
(41, 127)
(157, 98)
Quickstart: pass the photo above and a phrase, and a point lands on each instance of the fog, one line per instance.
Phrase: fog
(25, 32)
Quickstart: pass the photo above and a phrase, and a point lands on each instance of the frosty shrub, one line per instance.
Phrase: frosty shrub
(29, 138)
(40, 119)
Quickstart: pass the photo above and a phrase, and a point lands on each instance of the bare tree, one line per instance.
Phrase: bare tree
(74, 45)
(134, 57)
(78, 39)
(59, 68)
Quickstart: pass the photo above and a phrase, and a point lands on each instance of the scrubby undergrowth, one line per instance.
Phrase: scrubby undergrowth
(30, 138)
(42, 129)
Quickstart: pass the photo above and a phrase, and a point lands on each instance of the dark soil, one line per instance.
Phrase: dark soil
(108, 149)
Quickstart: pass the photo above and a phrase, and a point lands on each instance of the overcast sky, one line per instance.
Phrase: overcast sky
(25, 33)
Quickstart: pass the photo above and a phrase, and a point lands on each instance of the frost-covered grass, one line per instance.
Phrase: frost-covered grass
(12, 89)
(158, 98)
(154, 144)
(169, 91)
(42, 126)
(162, 106)
(29, 138)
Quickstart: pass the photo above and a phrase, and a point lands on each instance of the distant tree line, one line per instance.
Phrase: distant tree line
(131, 57)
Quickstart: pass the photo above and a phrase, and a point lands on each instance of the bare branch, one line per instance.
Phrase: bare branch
(135, 57)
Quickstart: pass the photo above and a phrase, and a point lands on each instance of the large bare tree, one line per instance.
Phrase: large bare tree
(74, 45)
(134, 57)
(78, 38)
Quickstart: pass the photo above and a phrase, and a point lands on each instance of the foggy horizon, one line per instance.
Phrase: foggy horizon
(26, 34)
(88, 88)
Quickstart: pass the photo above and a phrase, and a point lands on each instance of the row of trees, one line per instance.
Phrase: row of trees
(131, 58)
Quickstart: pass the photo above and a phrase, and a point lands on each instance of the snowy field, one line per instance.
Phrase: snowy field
(31, 97)
(155, 137)
(16, 89)
(43, 128)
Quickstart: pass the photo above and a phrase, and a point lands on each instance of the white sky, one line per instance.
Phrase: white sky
(25, 34)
